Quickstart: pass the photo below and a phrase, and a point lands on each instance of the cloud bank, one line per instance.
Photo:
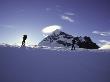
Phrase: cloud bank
(101, 33)
(105, 44)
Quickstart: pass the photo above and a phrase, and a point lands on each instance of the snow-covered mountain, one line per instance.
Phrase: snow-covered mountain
(56, 39)
(62, 39)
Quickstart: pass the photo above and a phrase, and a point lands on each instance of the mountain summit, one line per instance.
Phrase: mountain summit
(62, 39)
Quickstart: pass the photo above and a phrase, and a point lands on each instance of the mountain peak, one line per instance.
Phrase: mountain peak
(59, 38)
(57, 31)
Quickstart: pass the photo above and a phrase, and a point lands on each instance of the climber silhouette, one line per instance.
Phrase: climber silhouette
(73, 44)
(24, 38)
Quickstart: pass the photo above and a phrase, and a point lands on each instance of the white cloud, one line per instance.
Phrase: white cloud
(50, 29)
(104, 41)
(101, 33)
(104, 44)
(67, 18)
(69, 13)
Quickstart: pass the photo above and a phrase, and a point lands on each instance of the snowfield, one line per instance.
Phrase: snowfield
(53, 65)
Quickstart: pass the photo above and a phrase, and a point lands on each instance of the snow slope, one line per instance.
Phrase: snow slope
(45, 65)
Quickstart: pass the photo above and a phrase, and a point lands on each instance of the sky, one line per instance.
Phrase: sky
(76, 17)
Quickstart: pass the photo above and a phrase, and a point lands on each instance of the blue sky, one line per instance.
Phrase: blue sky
(76, 17)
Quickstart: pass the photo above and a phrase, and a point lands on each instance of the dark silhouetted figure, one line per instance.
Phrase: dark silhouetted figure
(73, 44)
(24, 38)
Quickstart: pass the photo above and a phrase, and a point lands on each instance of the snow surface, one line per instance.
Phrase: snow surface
(53, 65)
